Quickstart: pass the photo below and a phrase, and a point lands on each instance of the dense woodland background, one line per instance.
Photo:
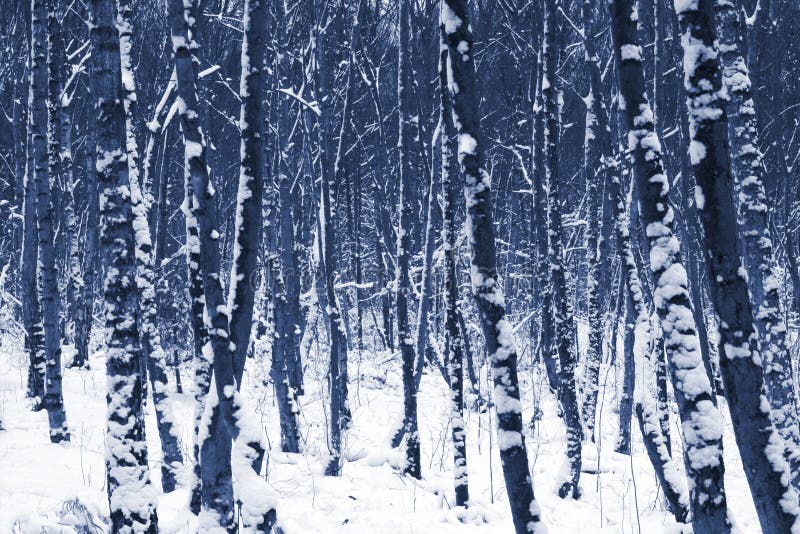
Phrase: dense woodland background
(570, 228)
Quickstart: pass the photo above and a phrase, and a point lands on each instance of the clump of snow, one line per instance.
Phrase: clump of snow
(630, 51)
(697, 152)
(699, 198)
(451, 21)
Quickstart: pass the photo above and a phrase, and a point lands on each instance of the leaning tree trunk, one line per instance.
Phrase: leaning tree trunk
(758, 254)
(126, 448)
(257, 504)
(740, 355)
(41, 143)
(500, 343)
(696, 402)
(153, 352)
(654, 436)
(202, 360)
(454, 346)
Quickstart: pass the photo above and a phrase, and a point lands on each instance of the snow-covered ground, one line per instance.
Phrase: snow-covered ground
(38, 480)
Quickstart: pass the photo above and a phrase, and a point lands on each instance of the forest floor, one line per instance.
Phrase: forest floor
(619, 492)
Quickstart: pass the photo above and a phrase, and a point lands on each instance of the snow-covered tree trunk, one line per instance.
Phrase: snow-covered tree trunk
(562, 304)
(19, 118)
(55, 63)
(697, 405)
(156, 359)
(337, 374)
(287, 239)
(84, 313)
(60, 151)
(29, 257)
(500, 343)
(426, 280)
(655, 441)
(654, 436)
(287, 369)
(454, 345)
(202, 359)
(291, 274)
(760, 444)
(31, 308)
(248, 221)
(147, 315)
(623, 444)
(596, 150)
(125, 30)
(758, 254)
(213, 440)
(224, 408)
(48, 277)
(131, 496)
(285, 343)
(542, 265)
(658, 354)
(257, 499)
(693, 258)
(403, 275)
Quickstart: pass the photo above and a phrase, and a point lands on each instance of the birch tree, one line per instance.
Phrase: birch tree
(699, 415)
(758, 250)
(404, 250)
(454, 349)
(44, 164)
(224, 403)
(337, 373)
(152, 351)
(131, 495)
(500, 343)
(562, 306)
(760, 444)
